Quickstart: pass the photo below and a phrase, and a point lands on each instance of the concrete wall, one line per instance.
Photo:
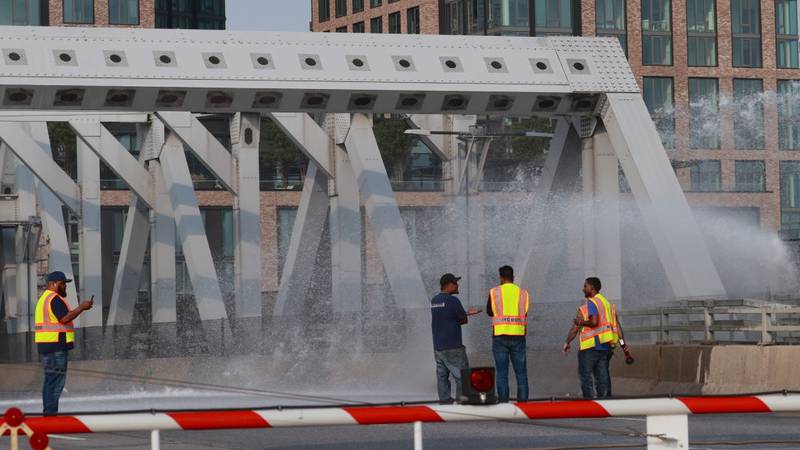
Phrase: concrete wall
(702, 369)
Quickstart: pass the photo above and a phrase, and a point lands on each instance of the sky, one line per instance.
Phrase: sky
(269, 15)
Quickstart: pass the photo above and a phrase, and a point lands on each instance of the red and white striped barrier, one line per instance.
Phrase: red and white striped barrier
(374, 415)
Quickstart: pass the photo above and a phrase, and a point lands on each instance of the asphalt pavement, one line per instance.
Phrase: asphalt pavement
(540, 435)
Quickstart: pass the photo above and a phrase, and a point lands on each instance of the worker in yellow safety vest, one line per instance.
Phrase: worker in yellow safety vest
(599, 333)
(55, 336)
(508, 306)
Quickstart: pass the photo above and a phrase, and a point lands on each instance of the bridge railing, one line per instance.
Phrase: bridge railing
(713, 321)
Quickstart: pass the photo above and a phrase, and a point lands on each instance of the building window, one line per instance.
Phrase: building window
(701, 26)
(553, 17)
(658, 96)
(376, 25)
(746, 28)
(790, 199)
(469, 17)
(786, 30)
(123, 12)
(657, 32)
(324, 10)
(610, 20)
(748, 119)
(412, 20)
(22, 12)
(706, 176)
(704, 113)
(505, 17)
(358, 27)
(358, 6)
(750, 176)
(789, 114)
(341, 8)
(342, 29)
(394, 23)
(204, 15)
(78, 11)
(375, 3)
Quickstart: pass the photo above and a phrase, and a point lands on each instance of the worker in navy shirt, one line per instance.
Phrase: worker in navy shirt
(55, 337)
(447, 317)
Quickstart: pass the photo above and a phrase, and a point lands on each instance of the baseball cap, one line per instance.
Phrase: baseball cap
(57, 276)
(448, 278)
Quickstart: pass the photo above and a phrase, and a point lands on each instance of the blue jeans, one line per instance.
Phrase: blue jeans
(593, 372)
(55, 375)
(449, 362)
(513, 348)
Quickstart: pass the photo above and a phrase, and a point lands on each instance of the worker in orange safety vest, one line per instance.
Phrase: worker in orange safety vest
(599, 332)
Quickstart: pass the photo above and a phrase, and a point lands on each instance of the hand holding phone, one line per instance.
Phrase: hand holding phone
(87, 304)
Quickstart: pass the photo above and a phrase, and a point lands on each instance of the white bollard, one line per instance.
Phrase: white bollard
(417, 435)
(155, 440)
(672, 429)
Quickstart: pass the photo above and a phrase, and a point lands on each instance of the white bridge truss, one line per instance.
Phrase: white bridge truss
(159, 79)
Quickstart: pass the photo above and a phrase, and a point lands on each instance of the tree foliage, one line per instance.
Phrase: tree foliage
(64, 145)
(395, 146)
(276, 151)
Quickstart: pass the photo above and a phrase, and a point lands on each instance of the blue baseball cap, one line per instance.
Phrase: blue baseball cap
(57, 276)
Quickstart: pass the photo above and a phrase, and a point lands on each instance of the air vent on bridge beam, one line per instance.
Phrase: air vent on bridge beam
(362, 102)
(218, 99)
(120, 98)
(170, 99)
(455, 102)
(499, 103)
(315, 101)
(546, 103)
(584, 103)
(69, 97)
(18, 97)
(410, 102)
(267, 100)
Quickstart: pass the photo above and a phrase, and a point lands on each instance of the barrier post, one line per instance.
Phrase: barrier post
(155, 440)
(766, 321)
(417, 435)
(668, 432)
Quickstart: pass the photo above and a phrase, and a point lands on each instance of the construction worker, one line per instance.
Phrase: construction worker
(597, 326)
(55, 336)
(447, 317)
(508, 306)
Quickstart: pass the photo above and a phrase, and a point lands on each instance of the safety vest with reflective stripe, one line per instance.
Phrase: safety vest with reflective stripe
(606, 330)
(510, 305)
(47, 326)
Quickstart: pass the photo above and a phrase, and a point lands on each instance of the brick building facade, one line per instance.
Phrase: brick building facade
(139, 14)
(345, 16)
(206, 14)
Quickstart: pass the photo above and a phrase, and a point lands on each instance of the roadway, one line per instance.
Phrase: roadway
(551, 435)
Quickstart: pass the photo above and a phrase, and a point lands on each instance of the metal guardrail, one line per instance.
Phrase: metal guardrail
(742, 319)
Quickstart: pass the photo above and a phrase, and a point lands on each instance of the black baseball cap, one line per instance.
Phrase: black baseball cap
(448, 278)
(58, 276)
